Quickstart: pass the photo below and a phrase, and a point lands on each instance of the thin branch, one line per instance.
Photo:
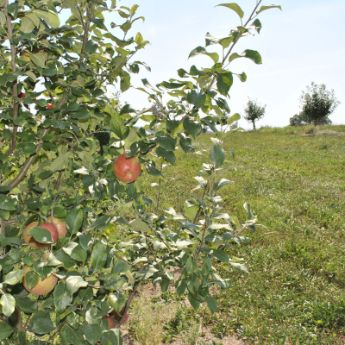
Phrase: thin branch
(86, 27)
(15, 83)
(25, 168)
(129, 301)
(250, 18)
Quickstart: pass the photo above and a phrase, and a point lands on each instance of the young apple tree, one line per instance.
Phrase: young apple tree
(77, 238)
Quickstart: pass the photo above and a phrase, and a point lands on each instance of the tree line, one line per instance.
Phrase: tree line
(317, 104)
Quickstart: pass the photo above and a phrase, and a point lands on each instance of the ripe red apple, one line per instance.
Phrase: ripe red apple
(50, 106)
(126, 169)
(21, 95)
(27, 237)
(60, 226)
(43, 287)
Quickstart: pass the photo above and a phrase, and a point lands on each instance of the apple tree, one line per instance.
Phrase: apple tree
(77, 235)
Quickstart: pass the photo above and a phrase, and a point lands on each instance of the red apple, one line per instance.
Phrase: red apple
(29, 239)
(60, 226)
(50, 106)
(43, 287)
(21, 95)
(126, 169)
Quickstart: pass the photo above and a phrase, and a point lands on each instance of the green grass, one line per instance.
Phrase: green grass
(295, 291)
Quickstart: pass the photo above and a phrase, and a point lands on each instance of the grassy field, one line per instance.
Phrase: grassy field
(295, 291)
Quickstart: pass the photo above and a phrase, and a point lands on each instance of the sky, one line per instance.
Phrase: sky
(301, 44)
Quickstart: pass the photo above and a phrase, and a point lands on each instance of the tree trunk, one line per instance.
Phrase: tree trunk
(254, 127)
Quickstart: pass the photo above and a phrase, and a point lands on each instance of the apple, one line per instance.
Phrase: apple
(60, 226)
(27, 237)
(126, 169)
(50, 106)
(21, 95)
(43, 287)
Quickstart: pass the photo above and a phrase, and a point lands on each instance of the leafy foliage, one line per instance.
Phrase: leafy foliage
(61, 128)
(317, 104)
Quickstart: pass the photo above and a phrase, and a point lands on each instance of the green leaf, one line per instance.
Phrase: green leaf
(224, 82)
(217, 155)
(74, 283)
(201, 50)
(31, 278)
(8, 304)
(169, 156)
(257, 24)
(253, 55)
(191, 127)
(99, 255)
(211, 303)
(39, 59)
(268, 7)
(26, 25)
(233, 118)
(74, 220)
(62, 297)
(235, 7)
(26, 304)
(51, 18)
(41, 323)
(167, 142)
(196, 98)
(92, 333)
(5, 330)
(41, 235)
(7, 203)
(14, 277)
(70, 337)
(194, 302)
(111, 337)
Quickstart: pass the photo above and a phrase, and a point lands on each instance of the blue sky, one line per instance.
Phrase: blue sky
(301, 44)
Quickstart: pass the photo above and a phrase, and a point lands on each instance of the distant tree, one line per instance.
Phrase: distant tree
(254, 112)
(297, 120)
(317, 104)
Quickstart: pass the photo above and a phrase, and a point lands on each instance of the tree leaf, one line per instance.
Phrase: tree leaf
(7, 203)
(41, 235)
(74, 220)
(268, 7)
(5, 330)
(253, 55)
(14, 277)
(217, 155)
(8, 304)
(235, 7)
(224, 82)
(41, 323)
(99, 255)
(74, 283)
(211, 303)
(51, 18)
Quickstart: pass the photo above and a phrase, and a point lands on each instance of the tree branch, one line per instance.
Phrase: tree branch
(15, 83)
(250, 18)
(86, 27)
(25, 168)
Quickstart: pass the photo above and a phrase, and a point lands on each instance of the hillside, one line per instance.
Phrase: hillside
(295, 183)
